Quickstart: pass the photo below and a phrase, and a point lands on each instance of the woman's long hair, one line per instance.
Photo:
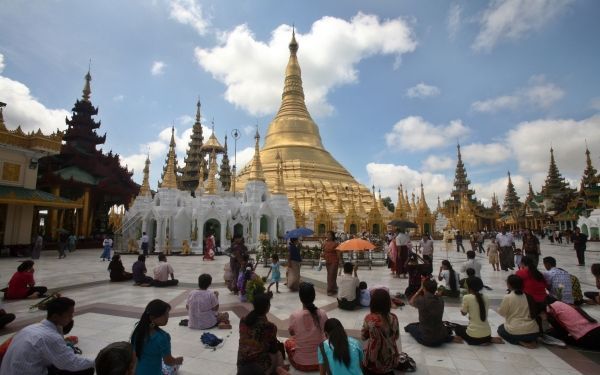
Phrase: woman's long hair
(339, 340)
(25, 265)
(475, 285)
(261, 306)
(154, 309)
(515, 283)
(535, 273)
(381, 304)
(452, 277)
(307, 297)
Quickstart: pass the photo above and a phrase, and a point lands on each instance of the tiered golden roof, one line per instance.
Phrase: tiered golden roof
(256, 169)
(145, 188)
(308, 167)
(36, 141)
(170, 179)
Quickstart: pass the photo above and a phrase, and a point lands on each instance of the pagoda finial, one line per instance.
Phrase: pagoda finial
(87, 90)
(256, 171)
(293, 43)
(145, 188)
(170, 178)
(201, 173)
(279, 186)
(198, 105)
(211, 183)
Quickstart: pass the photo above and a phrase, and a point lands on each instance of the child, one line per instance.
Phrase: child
(365, 294)
(348, 294)
(518, 253)
(275, 273)
(492, 252)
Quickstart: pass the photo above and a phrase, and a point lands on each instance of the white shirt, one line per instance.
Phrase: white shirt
(347, 287)
(402, 239)
(145, 238)
(427, 247)
(162, 271)
(505, 240)
(37, 347)
(474, 264)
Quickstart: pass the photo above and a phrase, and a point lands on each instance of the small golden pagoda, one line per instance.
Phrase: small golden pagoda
(308, 167)
(424, 218)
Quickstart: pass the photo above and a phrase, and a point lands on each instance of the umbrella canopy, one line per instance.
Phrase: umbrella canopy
(403, 224)
(355, 244)
(298, 232)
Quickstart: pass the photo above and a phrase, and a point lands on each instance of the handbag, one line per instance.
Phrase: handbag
(325, 360)
(406, 363)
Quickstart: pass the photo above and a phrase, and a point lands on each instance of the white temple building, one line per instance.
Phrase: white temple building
(175, 220)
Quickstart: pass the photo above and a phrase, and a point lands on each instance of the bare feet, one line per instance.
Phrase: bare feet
(457, 339)
(528, 345)
(497, 340)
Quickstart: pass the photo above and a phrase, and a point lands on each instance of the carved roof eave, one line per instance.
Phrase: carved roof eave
(35, 141)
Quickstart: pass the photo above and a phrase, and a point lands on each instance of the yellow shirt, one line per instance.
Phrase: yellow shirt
(516, 311)
(476, 328)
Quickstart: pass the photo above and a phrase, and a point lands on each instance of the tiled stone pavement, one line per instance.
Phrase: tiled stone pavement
(107, 312)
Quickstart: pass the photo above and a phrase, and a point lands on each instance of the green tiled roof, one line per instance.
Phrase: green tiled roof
(77, 174)
(22, 196)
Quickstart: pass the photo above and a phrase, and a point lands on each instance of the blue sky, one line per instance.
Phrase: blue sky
(393, 85)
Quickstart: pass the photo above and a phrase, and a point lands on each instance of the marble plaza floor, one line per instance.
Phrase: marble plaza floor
(106, 312)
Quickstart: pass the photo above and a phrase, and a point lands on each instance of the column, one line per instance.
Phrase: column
(85, 215)
(53, 214)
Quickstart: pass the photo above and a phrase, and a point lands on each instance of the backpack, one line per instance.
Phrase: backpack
(210, 340)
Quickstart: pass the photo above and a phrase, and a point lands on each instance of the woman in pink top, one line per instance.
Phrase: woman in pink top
(306, 328)
(573, 325)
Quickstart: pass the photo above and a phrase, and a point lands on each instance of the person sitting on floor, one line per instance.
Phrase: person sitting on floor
(518, 308)
(430, 331)
(381, 331)
(558, 281)
(573, 325)
(203, 307)
(22, 285)
(117, 271)
(339, 354)
(162, 272)
(5, 317)
(348, 292)
(139, 272)
(594, 297)
(476, 306)
(451, 287)
(116, 359)
(306, 330)
(40, 348)
(365, 294)
(471, 263)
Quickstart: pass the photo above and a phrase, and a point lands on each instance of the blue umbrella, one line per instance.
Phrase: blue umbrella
(298, 232)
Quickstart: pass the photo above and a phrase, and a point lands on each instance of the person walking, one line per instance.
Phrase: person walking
(37, 246)
(332, 262)
(579, 243)
(459, 242)
(531, 246)
(403, 246)
(506, 243)
(106, 244)
(293, 264)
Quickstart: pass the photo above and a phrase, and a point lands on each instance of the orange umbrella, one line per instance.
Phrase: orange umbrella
(355, 244)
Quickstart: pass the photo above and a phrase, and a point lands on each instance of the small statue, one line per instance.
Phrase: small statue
(185, 248)
(132, 246)
(168, 246)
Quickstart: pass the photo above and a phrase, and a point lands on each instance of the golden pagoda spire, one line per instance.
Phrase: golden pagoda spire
(170, 178)
(211, 183)
(407, 207)
(422, 201)
(256, 171)
(198, 105)
(200, 187)
(279, 186)
(145, 188)
(87, 90)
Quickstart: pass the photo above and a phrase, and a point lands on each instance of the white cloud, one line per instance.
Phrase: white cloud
(189, 12)
(249, 130)
(158, 68)
(25, 110)
(513, 19)
(119, 98)
(595, 103)
(422, 90)
(537, 93)
(328, 55)
(390, 176)
(244, 156)
(436, 163)
(414, 133)
(454, 20)
(2, 65)
(530, 143)
(491, 153)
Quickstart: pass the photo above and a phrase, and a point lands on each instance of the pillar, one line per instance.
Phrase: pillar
(53, 214)
(85, 214)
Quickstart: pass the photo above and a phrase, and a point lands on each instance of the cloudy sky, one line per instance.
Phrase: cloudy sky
(393, 85)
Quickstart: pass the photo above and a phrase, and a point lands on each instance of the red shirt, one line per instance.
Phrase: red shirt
(535, 288)
(19, 285)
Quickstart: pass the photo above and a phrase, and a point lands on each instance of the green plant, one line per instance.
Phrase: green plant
(253, 287)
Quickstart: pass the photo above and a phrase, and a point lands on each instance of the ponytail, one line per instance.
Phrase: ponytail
(475, 285)
(307, 297)
(338, 339)
(261, 306)
(154, 309)
(452, 275)
(515, 283)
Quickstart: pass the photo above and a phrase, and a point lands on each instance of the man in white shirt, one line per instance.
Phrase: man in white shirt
(471, 263)
(145, 240)
(507, 244)
(348, 292)
(162, 272)
(426, 244)
(41, 347)
(403, 245)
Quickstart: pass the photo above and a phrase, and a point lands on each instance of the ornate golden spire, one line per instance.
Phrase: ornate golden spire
(256, 171)
(170, 179)
(87, 90)
(422, 201)
(279, 186)
(145, 188)
(211, 183)
(338, 207)
(200, 187)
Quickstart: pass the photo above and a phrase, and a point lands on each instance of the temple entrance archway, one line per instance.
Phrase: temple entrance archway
(264, 224)
(321, 229)
(238, 230)
(280, 227)
(375, 230)
(426, 228)
(213, 226)
(353, 228)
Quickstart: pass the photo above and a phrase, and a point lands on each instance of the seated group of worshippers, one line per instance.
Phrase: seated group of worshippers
(162, 272)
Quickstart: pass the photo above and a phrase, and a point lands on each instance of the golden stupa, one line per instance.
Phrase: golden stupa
(309, 169)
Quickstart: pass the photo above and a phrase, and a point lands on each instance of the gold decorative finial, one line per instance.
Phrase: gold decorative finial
(293, 44)
(87, 90)
(170, 179)
(279, 186)
(198, 110)
(200, 187)
(145, 188)
(211, 183)
(256, 171)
